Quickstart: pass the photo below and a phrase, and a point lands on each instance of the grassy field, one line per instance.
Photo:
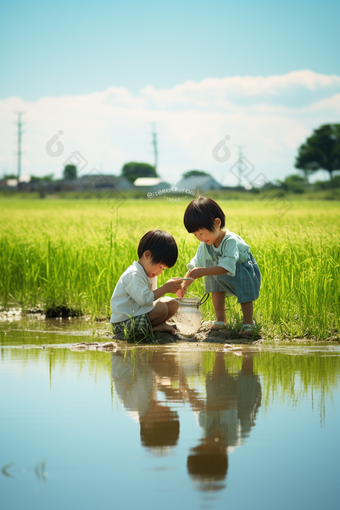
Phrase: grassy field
(71, 253)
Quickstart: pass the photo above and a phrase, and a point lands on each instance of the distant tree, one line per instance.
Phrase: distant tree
(70, 172)
(321, 151)
(195, 173)
(131, 171)
(9, 176)
(294, 183)
(44, 178)
(334, 183)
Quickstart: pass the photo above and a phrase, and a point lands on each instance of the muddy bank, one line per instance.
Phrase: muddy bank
(235, 349)
(36, 322)
(205, 334)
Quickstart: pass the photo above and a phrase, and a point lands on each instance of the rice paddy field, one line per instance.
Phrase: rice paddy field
(68, 255)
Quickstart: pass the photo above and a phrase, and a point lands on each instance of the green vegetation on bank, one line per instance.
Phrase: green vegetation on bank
(70, 254)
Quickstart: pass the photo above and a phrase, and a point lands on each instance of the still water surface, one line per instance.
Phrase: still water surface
(164, 427)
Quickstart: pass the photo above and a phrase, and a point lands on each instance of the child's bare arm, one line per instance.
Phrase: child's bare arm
(186, 281)
(198, 272)
(170, 287)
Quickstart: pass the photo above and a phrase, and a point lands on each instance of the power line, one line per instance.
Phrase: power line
(155, 145)
(19, 124)
(240, 162)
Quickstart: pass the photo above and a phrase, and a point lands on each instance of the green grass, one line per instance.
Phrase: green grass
(70, 254)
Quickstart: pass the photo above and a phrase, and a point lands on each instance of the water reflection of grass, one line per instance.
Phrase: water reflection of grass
(5, 468)
(292, 377)
(75, 258)
(285, 378)
(94, 363)
(232, 363)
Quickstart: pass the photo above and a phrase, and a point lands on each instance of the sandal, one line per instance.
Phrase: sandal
(218, 325)
(247, 330)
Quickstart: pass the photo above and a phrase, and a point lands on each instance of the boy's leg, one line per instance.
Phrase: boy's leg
(172, 305)
(158, 314)
(161, 313)
(218, 299)
(247, 310)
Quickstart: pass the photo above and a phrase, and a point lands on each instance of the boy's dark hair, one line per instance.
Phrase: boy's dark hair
(159, 430)
(201, 213)
(162, 246)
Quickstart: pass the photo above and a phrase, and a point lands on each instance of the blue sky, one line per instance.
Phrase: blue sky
(78, 47)
(266, 74)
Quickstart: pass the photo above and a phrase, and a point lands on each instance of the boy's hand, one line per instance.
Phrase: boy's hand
(181, 292)
(185, 284)
(197, 272)
(173, 285)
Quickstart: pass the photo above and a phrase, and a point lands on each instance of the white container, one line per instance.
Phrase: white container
(189, 316)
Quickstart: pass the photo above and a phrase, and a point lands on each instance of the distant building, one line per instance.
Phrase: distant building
(150, 183)
(12, 184)
(92, 181)
(201, 183)
(96, 181)
(147, 181)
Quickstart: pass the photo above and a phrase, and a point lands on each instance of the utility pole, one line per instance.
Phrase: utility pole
(19, 124)
(239, 166)
(154, 143)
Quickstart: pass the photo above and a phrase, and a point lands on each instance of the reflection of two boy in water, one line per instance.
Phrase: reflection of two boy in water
(226, 414)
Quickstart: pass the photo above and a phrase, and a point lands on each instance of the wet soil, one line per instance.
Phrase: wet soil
(105, 340)
(205, 334)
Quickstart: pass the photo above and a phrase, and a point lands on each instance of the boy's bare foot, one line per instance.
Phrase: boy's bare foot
(174, 325)
(165, 328)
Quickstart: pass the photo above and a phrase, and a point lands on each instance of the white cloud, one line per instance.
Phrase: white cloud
(270, 116)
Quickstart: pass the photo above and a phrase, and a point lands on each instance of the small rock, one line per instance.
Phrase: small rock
(78, 347)
(93, 347)
(109, 345)
(200, 337)
(232, 347)
(206, 324)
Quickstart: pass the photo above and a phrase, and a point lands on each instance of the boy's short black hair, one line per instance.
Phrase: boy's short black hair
(160, 432)
(201, 213)
(162, 246)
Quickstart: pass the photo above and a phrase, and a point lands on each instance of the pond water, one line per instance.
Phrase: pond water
(164, 427)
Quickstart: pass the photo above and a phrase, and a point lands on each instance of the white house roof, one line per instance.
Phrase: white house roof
(200, 182)
(14, 182)
(147, 181)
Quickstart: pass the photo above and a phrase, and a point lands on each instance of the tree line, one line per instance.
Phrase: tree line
(320, 151)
